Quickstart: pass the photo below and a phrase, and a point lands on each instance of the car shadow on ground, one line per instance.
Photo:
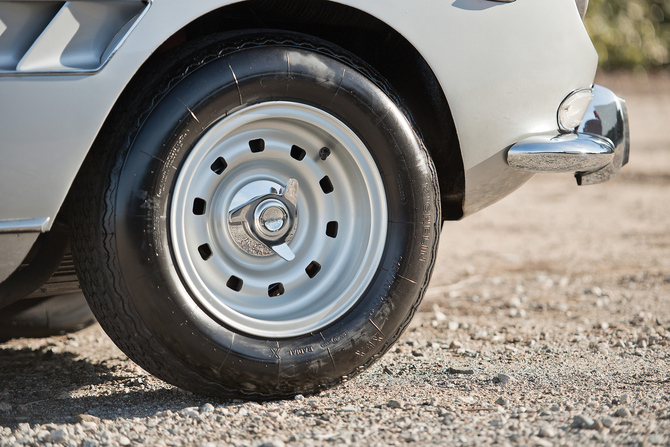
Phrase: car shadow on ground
(43, 387)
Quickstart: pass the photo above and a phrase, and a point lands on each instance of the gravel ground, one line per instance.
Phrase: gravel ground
(546, 323)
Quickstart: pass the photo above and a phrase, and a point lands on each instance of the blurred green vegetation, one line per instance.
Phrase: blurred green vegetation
(630, 33)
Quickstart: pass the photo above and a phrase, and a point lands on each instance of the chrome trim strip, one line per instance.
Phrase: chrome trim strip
(38, 225)
(79, 72)
(561, 153)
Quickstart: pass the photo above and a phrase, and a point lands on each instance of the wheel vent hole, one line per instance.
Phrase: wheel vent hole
(219, 166)
(205, 252)
(276, 289)
(199, 206)
(312, 269)
(235, 283)
(298, 153)
(331, 229)
(326, 185)
(257, 145)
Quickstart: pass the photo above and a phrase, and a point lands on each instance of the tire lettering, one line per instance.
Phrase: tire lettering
(401, 190)
(301, 350)
(426, 230)
(174, 151)
(370, 345)
(334, 339)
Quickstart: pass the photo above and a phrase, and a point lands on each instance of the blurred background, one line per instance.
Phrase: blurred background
(630, 34)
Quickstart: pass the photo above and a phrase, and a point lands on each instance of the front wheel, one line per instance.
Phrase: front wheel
(258, 218)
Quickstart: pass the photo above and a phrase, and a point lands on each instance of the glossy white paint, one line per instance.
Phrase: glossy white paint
(504, 67)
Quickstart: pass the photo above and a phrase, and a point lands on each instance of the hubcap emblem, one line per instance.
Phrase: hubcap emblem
(265, 224)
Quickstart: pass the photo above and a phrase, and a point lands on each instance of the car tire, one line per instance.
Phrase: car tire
(44, 317)
(258, 217)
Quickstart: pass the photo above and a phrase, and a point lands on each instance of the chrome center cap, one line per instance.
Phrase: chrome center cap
(271, 217)
(264, 224)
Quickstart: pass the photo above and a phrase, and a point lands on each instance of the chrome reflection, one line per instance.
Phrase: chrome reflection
(606, 116)
(561, 153)
(595, 153)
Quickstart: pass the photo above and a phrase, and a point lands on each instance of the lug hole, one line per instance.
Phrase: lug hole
(326, 185)
(199, 206)
(257, 145)
(331, 229)
(312, 269)
(276, 289)
(219, 166)
(205, 252)
(298, 153)
(235, 283)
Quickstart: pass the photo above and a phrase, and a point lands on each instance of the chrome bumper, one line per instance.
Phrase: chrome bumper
(595, 153)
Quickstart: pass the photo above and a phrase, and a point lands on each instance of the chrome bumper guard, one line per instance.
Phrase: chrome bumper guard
(595, 153)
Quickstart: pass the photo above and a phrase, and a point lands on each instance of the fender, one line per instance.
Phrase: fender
(49, 122)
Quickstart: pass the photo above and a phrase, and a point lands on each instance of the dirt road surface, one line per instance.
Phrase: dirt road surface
(547, 323)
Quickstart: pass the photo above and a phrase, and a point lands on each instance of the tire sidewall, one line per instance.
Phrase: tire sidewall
(141, 234)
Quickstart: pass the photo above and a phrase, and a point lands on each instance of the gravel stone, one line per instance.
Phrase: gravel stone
(504, 378)
(190, 413)
(59, 435)
(547, 431)
(87, 418)
(582, 421)
(466, 371)
(274, 443)
(393, 404)
(622, 413)
(89, 425)
(207, 408)
(607, 421)
(502, 401)
(656, 439)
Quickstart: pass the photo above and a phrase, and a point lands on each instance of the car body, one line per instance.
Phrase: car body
(483, 80)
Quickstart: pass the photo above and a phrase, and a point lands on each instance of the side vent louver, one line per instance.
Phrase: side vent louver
(73, 37)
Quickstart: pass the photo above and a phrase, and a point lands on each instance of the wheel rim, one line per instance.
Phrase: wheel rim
(340, 229)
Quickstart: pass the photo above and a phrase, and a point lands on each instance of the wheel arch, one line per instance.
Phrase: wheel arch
(359, 33)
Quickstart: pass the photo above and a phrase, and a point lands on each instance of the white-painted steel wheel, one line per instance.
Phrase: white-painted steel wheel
(259, 217)
(338, 238)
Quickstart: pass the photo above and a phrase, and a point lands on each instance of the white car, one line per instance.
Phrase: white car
(253, 191)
